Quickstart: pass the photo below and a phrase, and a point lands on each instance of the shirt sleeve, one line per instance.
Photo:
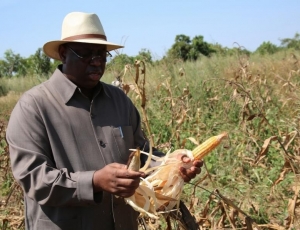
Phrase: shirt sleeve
(33, 165)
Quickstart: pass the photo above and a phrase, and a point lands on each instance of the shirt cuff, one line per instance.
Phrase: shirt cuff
(85, 188)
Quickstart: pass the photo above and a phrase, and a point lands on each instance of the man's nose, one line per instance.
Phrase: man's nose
(97, 60)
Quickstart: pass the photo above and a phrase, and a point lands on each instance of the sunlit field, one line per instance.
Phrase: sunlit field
(251, 180)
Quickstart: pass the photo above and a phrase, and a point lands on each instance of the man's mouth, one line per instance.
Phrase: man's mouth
(95, 76)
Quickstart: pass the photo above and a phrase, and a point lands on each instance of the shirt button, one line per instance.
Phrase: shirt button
(102, 144)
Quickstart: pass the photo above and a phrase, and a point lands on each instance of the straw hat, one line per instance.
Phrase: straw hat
(79, 27)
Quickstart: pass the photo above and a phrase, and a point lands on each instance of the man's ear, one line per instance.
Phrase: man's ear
(62, 53)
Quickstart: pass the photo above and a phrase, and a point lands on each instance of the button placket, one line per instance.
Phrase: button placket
(92, 111)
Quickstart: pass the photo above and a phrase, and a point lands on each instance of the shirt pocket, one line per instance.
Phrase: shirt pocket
(120, 140)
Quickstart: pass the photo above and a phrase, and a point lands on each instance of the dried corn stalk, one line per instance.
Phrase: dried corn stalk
(160, 191)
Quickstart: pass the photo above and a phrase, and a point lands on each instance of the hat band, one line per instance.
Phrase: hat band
(84, 36)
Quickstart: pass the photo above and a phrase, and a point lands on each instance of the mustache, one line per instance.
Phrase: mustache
(96, 71)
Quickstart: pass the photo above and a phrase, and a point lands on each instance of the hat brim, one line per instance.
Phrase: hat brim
(51, 48)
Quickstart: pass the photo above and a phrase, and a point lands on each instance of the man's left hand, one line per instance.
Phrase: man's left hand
(190, 173)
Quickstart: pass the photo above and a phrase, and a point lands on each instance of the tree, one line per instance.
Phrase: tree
(144, 55)
(293, 43)
(119, 61)
(181, 48)
(40, 63)
(220, 50)
(187, 49)
(199, 46)
(13, 65)
(54, 63)
(3, 68)
(267, 48)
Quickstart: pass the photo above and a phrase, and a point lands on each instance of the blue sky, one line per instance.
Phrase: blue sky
(27, 24)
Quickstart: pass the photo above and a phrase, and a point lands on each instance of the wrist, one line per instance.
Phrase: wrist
(96, 182)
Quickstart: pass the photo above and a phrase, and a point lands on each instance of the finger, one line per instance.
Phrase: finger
(195, 170)
(189, 174)
(124, 173)
(117, 166)
(124, 185)
(185, 159)
(198, 163)
(184, 174)
(138, 173)
(123, 192)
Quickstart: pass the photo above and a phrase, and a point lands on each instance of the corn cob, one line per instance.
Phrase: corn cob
(161, 191)
(207, 146)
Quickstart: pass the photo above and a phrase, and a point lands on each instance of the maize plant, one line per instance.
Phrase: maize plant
(160, 191)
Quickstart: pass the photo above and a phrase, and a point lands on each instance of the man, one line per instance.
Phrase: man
(70, 136)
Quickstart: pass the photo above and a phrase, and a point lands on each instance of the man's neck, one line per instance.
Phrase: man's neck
(89, 93)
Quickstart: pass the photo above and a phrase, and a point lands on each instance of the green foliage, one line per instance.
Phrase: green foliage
(292, 43)
(186, 49)
(119, 61)
(267, 48)
(4, 89)
(13, 65)
(219, 49)
(5, 187)
(144, 55)
(252, 97)
(181, 47)
(40, 63)
(54, 64)
(199, 46)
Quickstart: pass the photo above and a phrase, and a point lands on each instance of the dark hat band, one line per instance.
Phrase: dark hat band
(84, 36)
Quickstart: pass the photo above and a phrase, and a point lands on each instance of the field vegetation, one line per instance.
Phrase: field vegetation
(252, 180)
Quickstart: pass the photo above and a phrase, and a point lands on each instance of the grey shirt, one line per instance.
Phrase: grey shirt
(57, 139)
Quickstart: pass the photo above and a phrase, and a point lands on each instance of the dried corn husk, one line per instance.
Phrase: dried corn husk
(160, 191)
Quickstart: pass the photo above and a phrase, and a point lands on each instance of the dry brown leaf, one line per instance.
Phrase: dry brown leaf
(183, 143)
(297, 215)
(249, 223)
(271, 226)
(185, 91)
(264, 148)
(235, 93)
(193, 140)
(233, 214)
(252, 116)
(289, 139)
(285, 170)
(229, 202)
(227, 215)
(291, 208)
(221, 221)
(214, 98)
(206, 208)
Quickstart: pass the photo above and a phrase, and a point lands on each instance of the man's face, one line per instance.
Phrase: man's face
(83, 63)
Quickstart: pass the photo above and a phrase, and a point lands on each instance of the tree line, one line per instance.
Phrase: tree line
(184, 48)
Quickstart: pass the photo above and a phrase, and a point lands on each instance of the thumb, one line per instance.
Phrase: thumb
(184, 158)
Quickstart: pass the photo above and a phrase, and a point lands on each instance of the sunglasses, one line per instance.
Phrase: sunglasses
(88, 58)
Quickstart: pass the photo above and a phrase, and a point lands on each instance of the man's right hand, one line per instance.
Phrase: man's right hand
(117, 179)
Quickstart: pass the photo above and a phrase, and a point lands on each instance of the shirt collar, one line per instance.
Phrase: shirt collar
(66, 88)
(63, 86)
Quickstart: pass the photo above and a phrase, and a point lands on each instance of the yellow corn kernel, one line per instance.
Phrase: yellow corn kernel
(211, 143)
